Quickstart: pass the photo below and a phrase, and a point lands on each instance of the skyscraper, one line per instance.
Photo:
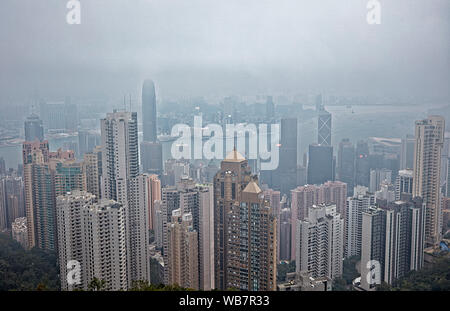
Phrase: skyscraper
(182, 264)
(324, 128)
(151, 148)
(319, 240)
(34, 129)
(407, 153)
(404, 183)
(120, 156)
(356, 205)
(104, 237)
(304, 197)
(196, 200)
(229, 182)
(362, 165)
(429, 136)
(149, 111)
(320, 164)
(346, 164)
(71, 243)
(252, 251)
(284, 178)
(136, 225)
(392, 241)
(377, 176)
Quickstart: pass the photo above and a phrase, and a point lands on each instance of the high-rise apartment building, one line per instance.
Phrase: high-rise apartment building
(182, 263)
(429, 139)
(404, 183)
(229, 182)
(319, 240)
(304, 197)
(196, 200)
(120, 156)
(136, 225)
(251, 246)
(356, 205)
(377, 176)
(92, 174)
(72, 238)
(392, 241)
(104, 242)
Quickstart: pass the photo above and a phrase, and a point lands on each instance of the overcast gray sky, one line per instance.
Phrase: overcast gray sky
(196, 47)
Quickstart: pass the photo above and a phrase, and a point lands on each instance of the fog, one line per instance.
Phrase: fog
(205, 47)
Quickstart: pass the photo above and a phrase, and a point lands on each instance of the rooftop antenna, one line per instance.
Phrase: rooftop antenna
(130, 102)
(124, 103)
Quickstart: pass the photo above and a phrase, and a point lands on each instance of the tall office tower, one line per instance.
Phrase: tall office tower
(426, 183)
(19, 231)
(136, 225)
(324, 128)
(39, 195)
(346, 164)
(252, 250)
(407, 152)
(104, 243)
(362, 165)
(373, 239)
(319, 242)
(91, 174)
(71, 243)
(149, 111)
(302, 176)
(182, 265)
(319, 102)
(403, 183)
(356, 205)
(284, 178)
(320, 164)
(151, 148)
(270, 108)
(87, 141)
(120, 156)
(151, 157)
(34, 129)
(377, 176)
(285, 234)
(233, 177)
(154, 193)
